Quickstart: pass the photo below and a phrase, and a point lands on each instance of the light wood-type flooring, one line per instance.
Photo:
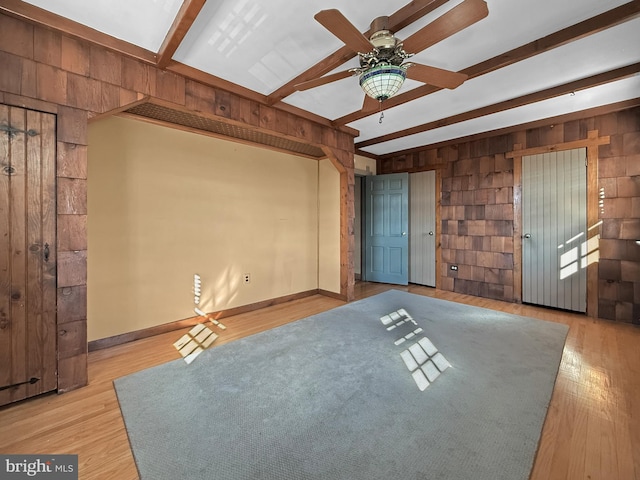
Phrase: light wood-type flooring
(592, 429)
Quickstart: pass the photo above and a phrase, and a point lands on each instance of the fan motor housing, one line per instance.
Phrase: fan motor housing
(383, 40)
(386, 47)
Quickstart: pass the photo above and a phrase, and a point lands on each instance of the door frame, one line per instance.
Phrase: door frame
(359, 225)
(591, 143)
(438, 223)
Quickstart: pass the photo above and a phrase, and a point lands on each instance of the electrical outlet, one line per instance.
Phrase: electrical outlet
(454, 268)
(247, 278)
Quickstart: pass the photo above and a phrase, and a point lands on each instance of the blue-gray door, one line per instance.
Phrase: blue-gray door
(386, 228)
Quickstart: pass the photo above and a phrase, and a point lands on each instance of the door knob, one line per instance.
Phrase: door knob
(46, 252)
(431, 233)
(404, 233)
(527, 235)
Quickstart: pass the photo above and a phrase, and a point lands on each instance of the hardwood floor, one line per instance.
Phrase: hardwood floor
(592, 429)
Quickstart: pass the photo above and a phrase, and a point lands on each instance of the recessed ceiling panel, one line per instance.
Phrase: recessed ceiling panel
(141, 22)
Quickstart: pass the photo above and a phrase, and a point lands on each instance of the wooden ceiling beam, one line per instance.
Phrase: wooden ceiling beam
(181, 25)
(397, 21)
(39, 16)
(567, 88)
(410, 13)
(567, 35)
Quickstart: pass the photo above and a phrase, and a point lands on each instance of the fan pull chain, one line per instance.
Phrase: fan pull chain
(381, 112)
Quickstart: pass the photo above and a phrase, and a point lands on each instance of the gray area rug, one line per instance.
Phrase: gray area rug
(330, 397)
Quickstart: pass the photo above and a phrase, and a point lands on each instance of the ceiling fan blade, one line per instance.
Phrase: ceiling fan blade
(458, 18)
(436, 76)
(316, 82)
(370, 104)
(337, 23)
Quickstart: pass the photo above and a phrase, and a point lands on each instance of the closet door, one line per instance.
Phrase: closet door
(27, 254)
(554, 225)
(422, 228)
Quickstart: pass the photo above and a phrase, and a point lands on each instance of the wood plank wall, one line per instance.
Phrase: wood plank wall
(478, 220)
(45, 70)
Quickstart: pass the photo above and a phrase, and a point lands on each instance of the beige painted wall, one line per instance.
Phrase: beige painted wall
(364, 165)
(165, 204)
(328, 227)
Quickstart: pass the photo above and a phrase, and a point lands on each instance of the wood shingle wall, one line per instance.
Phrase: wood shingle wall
(619, 185)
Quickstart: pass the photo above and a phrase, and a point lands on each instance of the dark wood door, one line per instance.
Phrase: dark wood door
(28, 361)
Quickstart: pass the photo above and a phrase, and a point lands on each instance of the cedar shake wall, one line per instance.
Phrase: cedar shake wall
(45, 70)
(619, 184)
(477, 210)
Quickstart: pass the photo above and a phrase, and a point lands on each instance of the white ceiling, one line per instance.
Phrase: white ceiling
(263, 45)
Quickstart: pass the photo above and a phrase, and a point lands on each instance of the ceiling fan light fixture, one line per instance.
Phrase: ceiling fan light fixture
(382, 81)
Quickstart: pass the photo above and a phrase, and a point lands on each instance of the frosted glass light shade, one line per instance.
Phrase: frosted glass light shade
(382, 81)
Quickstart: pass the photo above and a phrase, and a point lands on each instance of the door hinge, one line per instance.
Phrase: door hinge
(12, 131)
(31, 381)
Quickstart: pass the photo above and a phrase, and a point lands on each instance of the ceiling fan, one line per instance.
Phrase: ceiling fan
(383, 69)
